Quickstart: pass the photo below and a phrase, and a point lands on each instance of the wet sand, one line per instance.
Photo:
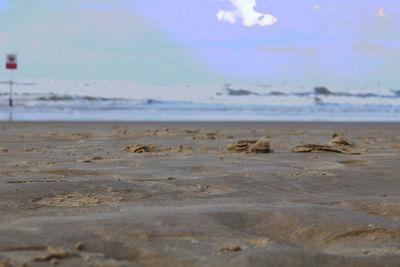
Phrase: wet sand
(170, 194)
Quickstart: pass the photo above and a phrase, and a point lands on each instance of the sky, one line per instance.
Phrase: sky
(296, 42)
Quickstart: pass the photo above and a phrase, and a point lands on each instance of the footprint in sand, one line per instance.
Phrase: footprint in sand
(311, 173)
(207, 189)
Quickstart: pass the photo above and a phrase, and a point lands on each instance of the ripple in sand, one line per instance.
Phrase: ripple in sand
(46, 255)
(35, 254)
(375, 241)
(389, 208)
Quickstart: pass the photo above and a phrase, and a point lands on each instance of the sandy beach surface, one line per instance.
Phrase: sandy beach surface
(170, 194)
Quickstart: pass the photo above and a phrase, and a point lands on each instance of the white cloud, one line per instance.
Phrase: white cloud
(245, 11)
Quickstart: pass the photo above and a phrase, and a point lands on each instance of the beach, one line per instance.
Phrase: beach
(171, 194)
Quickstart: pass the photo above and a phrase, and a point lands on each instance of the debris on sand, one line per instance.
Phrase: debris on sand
(179, 148)
(190, 131)
(53, 253)
(121, 132)
(249, 146)
(139, 148)
(316, 148)
(231, 248)
(77, 135)
(34, 149)
(210, 136)
(338, 140)
(79, 246)
(338, 144)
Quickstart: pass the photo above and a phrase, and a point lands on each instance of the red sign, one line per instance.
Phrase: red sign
(11, 63)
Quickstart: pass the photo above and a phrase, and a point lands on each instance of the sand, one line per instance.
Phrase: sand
(79, 194)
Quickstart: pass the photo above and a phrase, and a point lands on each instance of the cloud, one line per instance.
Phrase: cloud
(304, 51)
(381, 13)
(245, 11)
(279, 49)
(375, 49)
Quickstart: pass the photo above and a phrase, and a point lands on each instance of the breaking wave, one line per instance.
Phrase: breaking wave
(124, 100)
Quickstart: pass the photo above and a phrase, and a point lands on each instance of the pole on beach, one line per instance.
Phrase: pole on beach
(10, 102)
(11, 64)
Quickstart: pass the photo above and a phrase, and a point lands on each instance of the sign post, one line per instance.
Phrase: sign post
(11, 64)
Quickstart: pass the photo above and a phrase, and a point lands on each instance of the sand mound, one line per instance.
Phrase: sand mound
(338, 144)
(249, 146)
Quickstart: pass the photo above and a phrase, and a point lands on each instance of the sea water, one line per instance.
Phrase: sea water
(110, 100)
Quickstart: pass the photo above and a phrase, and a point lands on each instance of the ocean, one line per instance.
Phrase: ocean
(112, 100)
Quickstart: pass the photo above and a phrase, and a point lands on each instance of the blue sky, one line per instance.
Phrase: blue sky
(298, 42)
